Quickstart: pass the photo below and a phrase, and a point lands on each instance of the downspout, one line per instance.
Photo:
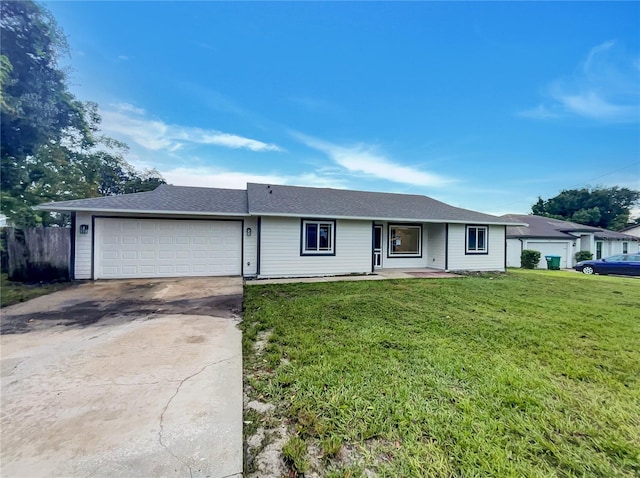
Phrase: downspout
(521, 249)
(373, 240)
(72, 251)
(505, 248)
(258, 246)
(446, 247)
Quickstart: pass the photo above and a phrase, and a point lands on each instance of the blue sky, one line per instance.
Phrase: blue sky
(482, 105)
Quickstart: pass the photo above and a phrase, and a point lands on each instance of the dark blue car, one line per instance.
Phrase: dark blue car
(622, 264)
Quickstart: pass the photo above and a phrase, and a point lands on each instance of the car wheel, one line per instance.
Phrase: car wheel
(588, 270)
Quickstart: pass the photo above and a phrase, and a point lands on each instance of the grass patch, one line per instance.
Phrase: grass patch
(532, 373)
(15, 292)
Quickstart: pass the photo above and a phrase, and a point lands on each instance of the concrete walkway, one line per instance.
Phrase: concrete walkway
(382, 274)
(122, 379)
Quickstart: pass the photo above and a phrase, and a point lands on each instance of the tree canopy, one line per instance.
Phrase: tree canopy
(50, 145)
(608, 208)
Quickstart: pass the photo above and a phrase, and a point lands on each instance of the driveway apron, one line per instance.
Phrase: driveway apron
(124, 378)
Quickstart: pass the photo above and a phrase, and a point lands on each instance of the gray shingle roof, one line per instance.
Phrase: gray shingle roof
(264, 199)
(548, 228)
(165, 198)
(613, 235)
(342, 203)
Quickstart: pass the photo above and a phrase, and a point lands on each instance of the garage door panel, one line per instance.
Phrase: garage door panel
(166, 248)
(550, 249)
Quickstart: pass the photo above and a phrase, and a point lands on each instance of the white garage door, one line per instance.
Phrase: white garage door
(550, 249)
(145, 248)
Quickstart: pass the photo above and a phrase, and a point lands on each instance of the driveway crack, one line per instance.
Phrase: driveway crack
(166, 407)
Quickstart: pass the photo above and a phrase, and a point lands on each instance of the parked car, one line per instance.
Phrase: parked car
(623, 264)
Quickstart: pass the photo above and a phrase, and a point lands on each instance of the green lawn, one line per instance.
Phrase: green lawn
(14, 292)
(533, 373)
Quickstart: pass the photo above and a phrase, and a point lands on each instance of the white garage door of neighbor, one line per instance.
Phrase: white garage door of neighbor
(146, 248)
(550, 249)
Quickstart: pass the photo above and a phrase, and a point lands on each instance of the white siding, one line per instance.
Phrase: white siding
(586, 243)
(514, 250)
(83, 256)
(436, 245)
(250, 266)
(280, 249)
(459, 261)
(610, 248)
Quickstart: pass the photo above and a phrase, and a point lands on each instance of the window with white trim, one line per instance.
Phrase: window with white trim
(625, 247)
(405, 240)
(318, 237)
(477, 240)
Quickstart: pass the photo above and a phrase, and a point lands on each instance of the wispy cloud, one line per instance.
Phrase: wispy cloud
(368, 160)
(315, 105)
(539, 112)
(605, 87)
(128, 121)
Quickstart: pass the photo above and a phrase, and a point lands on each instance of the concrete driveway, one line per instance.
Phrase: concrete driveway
(124, 378)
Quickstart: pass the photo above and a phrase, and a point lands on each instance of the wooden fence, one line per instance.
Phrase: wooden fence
(38, 254)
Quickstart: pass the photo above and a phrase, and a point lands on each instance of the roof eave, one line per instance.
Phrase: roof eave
(44, 207)
(378, 218)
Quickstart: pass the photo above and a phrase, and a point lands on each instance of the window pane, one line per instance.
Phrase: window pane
(312, 237)
(377, 238)
(481, 234)
(405, 240)
(471, 238)
(325, 237)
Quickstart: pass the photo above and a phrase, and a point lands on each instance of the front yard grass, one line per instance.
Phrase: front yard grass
(15, 292)
(531, 373)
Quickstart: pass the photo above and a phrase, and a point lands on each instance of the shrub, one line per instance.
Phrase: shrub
(583, 256)
(529, 259)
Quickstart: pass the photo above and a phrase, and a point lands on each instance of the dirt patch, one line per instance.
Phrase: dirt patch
(433, 275)
(107, 303)
(93, 312)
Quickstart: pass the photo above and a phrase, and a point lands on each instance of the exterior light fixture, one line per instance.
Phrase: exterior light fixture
(248, 232)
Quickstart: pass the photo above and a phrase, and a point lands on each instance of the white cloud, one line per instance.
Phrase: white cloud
(127, 107)
(219, 178)
(125, 120)
(605, 87)
(361, 158)
(590, 105)
(539, 112)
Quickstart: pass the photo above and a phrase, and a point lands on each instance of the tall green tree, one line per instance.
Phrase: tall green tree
(608, 208)
(50, 145)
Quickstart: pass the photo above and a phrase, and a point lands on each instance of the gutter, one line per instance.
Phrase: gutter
(388, 219)
(139, 211)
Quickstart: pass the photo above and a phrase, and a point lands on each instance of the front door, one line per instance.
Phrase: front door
(377, 247)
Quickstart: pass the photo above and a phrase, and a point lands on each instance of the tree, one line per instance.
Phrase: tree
(36, 104)
(608, 208)
(50, 145)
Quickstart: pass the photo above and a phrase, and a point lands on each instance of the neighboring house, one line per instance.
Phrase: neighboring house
(564, 239)
(632, 230)
(4, 221)
(275, 231)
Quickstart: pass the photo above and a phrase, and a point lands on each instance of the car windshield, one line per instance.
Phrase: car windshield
(617, 258)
